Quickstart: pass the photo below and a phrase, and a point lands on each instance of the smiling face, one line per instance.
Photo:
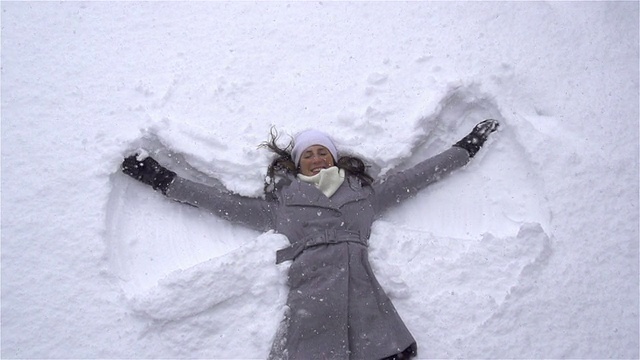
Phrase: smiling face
(315, 158)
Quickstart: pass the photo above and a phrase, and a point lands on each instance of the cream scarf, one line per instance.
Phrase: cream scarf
(327, 180)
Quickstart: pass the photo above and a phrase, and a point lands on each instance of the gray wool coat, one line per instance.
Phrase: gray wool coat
(336, 307)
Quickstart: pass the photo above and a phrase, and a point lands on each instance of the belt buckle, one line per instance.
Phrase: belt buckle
(330, 236)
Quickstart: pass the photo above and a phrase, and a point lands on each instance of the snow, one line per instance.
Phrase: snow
(530, 251)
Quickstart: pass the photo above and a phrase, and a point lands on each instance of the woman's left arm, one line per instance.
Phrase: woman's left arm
(402, 185)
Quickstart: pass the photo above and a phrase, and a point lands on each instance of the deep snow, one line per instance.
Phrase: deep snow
(529, 251)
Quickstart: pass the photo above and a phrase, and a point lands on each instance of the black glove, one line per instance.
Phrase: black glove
(476, 138)
(149, 172)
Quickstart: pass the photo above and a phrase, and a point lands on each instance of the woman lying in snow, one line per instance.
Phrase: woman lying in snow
(325, 205)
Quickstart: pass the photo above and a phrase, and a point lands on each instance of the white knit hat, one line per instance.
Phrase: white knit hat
(309, 138)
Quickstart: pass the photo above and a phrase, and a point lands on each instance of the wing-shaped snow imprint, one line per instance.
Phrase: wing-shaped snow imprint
(186, 272)
(185, 293)
(497, 192)
(447, 288)
(224, 307)
(452, 256)
(150, 236)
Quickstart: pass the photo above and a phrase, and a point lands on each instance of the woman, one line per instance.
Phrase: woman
(325, 205)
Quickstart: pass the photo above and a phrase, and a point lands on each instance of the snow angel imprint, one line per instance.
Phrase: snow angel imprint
(325, 204)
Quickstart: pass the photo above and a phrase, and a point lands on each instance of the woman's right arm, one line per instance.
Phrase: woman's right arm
(252, 212)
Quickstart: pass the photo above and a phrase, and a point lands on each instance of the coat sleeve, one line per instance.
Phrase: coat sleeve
(251, 212)
(400, 186)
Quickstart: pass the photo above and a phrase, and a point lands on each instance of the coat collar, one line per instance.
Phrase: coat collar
(305, 194)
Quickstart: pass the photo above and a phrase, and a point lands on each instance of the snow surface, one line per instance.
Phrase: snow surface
(531, 251)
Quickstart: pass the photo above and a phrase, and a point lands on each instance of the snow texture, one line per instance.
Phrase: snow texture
(530, 251)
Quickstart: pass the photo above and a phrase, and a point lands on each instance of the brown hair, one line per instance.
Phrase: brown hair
(283, 164)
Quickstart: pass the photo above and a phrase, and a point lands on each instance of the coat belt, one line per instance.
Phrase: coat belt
(326, 237)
